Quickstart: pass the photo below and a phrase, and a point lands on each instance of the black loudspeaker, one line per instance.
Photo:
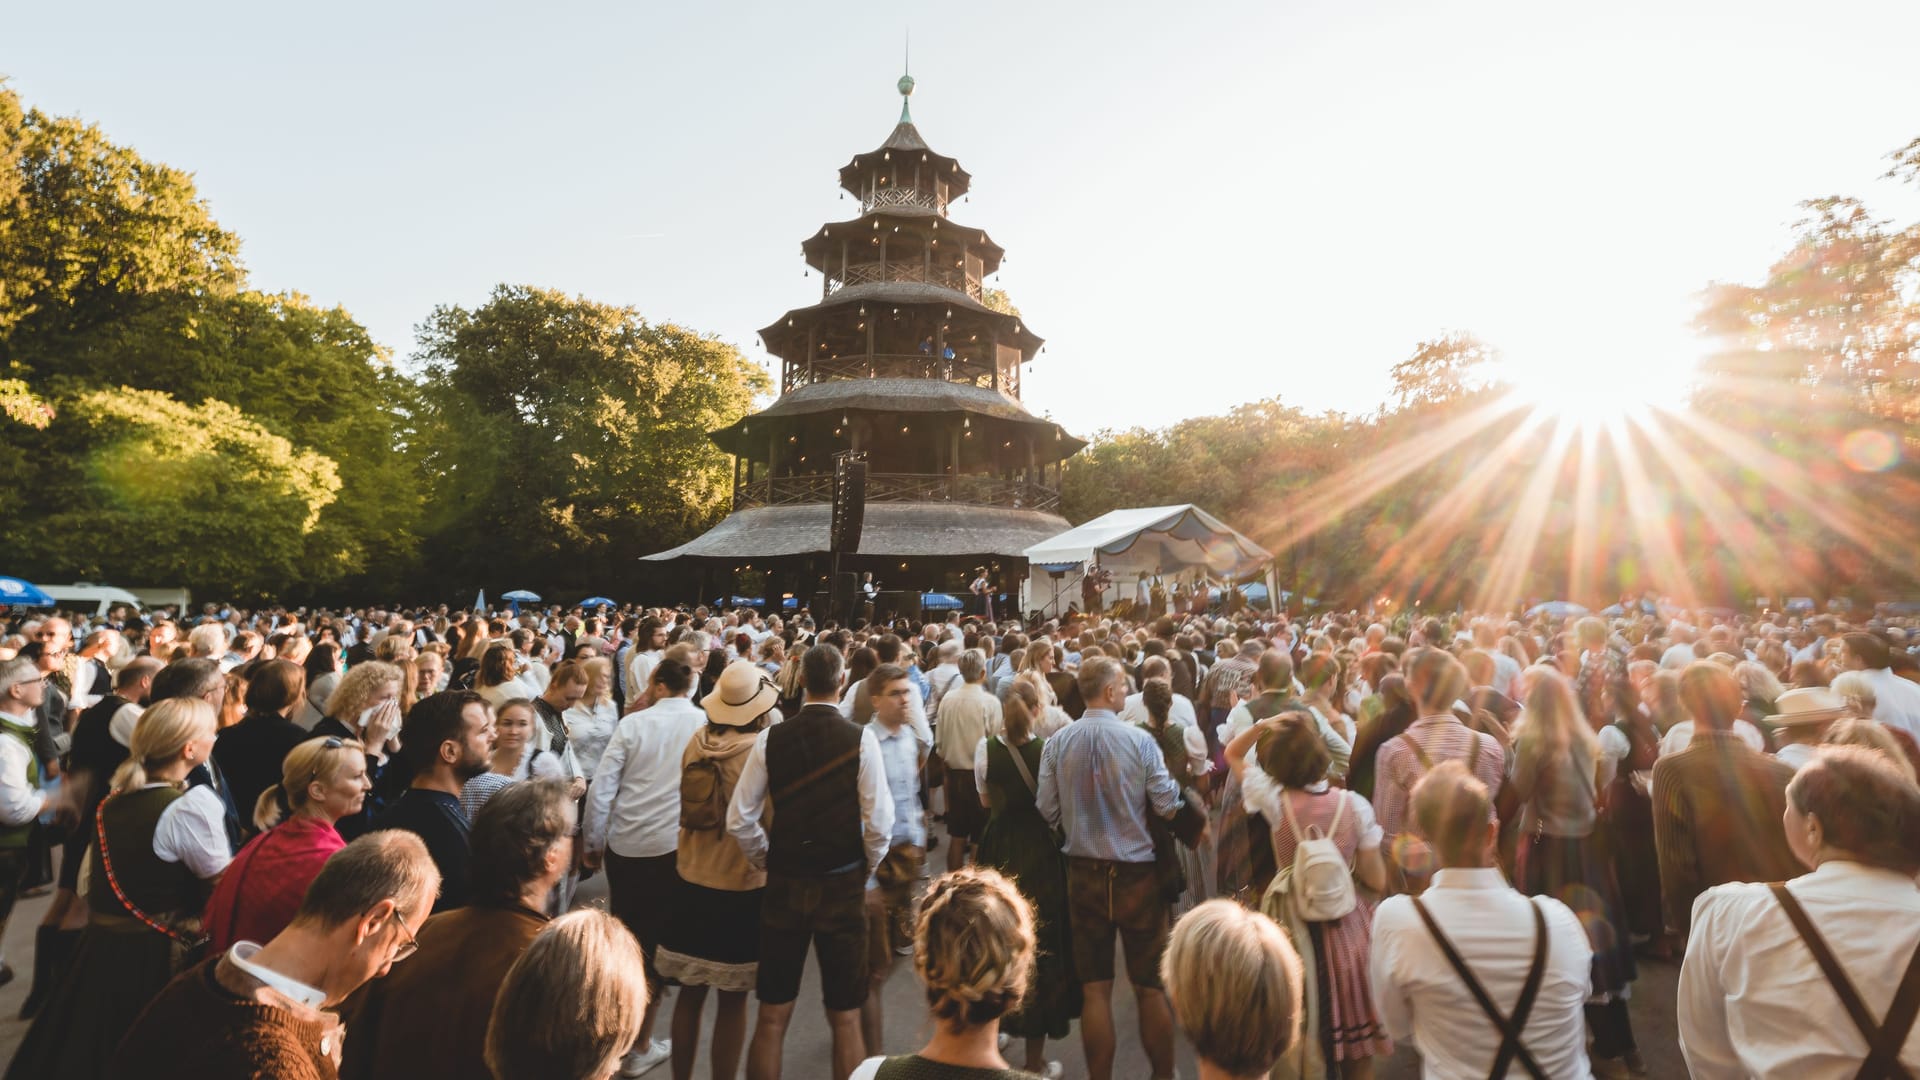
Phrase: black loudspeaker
(849, 502)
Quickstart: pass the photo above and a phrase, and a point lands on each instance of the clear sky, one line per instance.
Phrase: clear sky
(1202, 204)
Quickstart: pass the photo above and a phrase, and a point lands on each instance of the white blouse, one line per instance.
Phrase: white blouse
(193, 831)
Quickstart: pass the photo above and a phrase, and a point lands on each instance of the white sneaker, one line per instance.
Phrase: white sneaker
(1054, 1071)
(640, 1062)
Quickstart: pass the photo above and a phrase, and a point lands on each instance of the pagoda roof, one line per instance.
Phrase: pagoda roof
(892, 396)
(819, 247)
(777, 335)
(905, 140)
(900, 530)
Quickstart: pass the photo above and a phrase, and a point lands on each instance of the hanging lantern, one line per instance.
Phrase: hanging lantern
(967, 422)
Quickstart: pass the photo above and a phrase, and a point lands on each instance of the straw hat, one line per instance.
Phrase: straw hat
(741, 695)
(1808, 705)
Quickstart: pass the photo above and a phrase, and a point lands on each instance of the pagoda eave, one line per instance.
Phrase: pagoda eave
(891, 396)
(893, 293)
(890, 530)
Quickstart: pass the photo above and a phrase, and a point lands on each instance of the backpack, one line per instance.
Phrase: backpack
(1319, 883)
(703, 800)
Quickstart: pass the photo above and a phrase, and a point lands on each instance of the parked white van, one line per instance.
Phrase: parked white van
(88, 598)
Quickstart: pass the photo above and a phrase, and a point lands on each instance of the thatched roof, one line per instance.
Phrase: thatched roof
(891, 529)
(891, 396)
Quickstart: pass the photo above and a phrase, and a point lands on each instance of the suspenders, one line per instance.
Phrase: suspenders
(1510, 1027)
(1884, 1040)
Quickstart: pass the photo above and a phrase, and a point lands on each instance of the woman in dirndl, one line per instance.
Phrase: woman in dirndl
(1287, 784)
(1555, 779)
(157, 845)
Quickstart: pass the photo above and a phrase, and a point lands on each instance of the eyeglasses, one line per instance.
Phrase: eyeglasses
(411, 945)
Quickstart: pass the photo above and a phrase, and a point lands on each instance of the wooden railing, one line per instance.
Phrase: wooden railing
(951, 277)
(890, 366)
(902, 487)
(881, 198)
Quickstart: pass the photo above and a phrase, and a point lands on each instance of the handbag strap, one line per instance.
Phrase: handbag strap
(1509, 1026)
(1020, 764)
(106, 866)
(1885, 1039)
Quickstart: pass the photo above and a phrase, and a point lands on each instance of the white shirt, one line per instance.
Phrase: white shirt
(242, 956)
(1677, 656)
(1681, 734)
(640, 665)
(1752, 1001)
(125, 719)
(965, 717)
(942, 678)
(1796, 754)
(750, 802)
(1896, 702)
(20, 802)
(535, 676)
(916, 713)
(589, 729)
(192, 831)
(1505, 670)
(633, 805)
(1419, 995)
(1239, 719)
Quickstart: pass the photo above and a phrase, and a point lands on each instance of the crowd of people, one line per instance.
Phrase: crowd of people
(292, 843)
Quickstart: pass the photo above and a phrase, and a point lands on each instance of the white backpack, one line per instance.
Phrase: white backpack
(1319, 883)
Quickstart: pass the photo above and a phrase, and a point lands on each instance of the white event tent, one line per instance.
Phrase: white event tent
(1171, 539)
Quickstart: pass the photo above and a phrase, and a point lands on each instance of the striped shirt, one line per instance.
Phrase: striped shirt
(1440, 738)
(1096, 778)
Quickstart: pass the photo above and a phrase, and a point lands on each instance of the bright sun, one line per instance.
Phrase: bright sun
(1595, 394)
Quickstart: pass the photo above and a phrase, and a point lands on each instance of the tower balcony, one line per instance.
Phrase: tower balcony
(916, 270)
(965, 372)
(884, 198)
(974, 490)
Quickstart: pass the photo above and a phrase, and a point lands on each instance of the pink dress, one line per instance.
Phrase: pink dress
(1349, 1027)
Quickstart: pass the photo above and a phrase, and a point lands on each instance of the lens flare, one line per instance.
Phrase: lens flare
(1870, 450)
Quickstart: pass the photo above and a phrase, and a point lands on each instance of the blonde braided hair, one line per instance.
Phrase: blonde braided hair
(974, 946)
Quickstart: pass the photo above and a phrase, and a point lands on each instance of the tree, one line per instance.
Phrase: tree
(92, 226)
(132, 485)
(565, 438)
(1442, 370)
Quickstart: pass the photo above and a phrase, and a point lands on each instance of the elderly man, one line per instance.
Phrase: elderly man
(260, 1010)
(1819, 976)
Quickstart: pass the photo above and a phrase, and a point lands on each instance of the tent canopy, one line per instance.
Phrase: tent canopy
(1172, 537)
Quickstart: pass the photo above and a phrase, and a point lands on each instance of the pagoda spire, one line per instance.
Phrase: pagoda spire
(906, 81)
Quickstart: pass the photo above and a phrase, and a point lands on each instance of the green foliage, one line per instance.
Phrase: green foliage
(565, 438)
(133, 485)
(998, 300)
(21, 405)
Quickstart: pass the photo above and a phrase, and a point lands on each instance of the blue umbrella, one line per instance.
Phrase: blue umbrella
(935, 601)
(521, 595)
(22, 594)
(1559, 609)
(1613, 611)
(597, 601)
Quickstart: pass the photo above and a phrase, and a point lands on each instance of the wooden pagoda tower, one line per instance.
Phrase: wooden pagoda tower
(902, 359)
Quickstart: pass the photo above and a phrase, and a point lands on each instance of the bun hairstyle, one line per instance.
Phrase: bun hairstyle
(163, 732)
(310, 761)
(973, 947)
(673, 675)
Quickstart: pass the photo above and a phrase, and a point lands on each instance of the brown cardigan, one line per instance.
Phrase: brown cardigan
(216, 1020)
(428, 1017)
(1716, 818)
